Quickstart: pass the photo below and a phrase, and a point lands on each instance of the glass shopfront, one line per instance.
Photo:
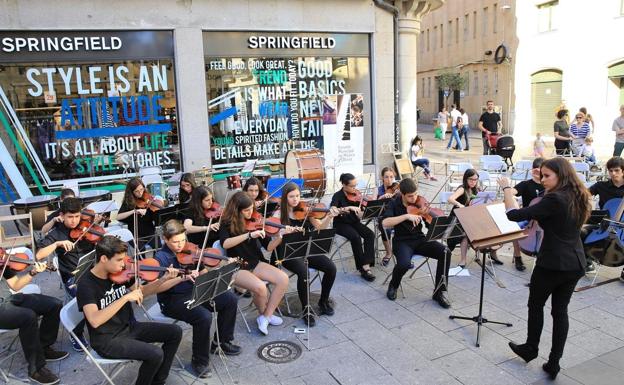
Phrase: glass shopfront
(87, 107)
(271, 92)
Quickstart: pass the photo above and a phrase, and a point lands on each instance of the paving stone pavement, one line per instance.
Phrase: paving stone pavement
(371, 340)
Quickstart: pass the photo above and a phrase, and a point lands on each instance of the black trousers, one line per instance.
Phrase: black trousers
(403, 251)
(559, 284)
(136, 343)
(200, 319)
(22, 312)
(355, 233)
(318, 262)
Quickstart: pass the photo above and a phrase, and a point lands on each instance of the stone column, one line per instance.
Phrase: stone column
(410, 15)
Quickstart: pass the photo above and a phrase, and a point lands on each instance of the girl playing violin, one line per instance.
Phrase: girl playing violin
(203, 208)
(239, 242)
(388, 189)
(349, 226)
(133, 197)
(291, 201)
(187, 185)
(254, 188)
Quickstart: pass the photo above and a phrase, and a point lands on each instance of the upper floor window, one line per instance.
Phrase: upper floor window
(485, 22)
(547, 16)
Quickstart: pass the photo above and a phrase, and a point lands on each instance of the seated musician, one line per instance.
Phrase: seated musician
(22, 311)
(527, 189)
(173, 295)
(612, 188)
(197, 219)
(388, 189)
(113, 330)
(409, 240)
(55, 216)
(242, 243)
(133, 195)
(291, 197)
(68, 251)
(462, 197)
(349, 226)
(254, 188)
(187, 185)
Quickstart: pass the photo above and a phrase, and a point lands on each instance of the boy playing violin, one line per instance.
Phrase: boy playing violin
(113, 330)
(68, 252)
(55, 216)
(409, 239)
(174, 294)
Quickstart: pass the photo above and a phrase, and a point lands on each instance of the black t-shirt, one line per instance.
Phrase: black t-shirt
(166, 258)
(198, 238)
(103, 292)
(145, 222)
(67, 260)
(5, 290)
(340, 200)
(464, 200)
(295, 223)
(406, 229)
(562, 128)
(607, 191)
(490, 122)
(249, 250)
(528, 190)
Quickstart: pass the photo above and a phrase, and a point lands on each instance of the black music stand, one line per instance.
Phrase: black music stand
(374, 209)
(596, 217)
(303, 245)
(85, 263)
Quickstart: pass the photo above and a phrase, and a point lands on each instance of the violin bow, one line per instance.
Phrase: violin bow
(89, 228)
(365, 191)
(201, 252)
(441, 187)
(316, 196)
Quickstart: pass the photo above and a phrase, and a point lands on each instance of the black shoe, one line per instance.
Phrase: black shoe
(367, 275)
(524, 351)
(440, 298)
(228, 348)
(326, 308)
(54, 355)
(44, 376)
(391, 293)
(519, 264)
(552, 368)
(309, 320)
(201, 370)
(590, 268)
(496, 260)
(466, 149)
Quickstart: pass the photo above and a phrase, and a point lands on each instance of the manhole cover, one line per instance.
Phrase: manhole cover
(279, 352)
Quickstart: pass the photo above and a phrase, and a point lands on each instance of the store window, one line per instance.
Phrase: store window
(87, 107)
(270, 93)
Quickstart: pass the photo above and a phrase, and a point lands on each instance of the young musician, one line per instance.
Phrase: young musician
(145, 219)
(68, 251)
(349, 226)
(173, 296)
(22, 311)
(606, 190)
(409, 240)
(195, 221)
(527, 189)
(253, 187)
(560, 261)
(388, 189)
(239, 242)
(187, 185)
(55, 216)
(291, 197)
(113, 330)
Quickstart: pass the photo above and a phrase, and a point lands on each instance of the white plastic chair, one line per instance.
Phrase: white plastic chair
(103, 206)
(522, 170)
(485, 179)
(581, 168)
(154, 170)
(490, 158)
(458, 170)
(151, 178)
(444, 196)
(497, 166)
(70, 317)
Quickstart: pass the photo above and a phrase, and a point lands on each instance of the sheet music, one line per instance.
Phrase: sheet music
(497, 212)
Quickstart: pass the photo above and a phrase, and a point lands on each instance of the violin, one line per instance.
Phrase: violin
(357, 197)
(90, 232)
(393, 189)
(303, 209)
(423, 208)
(18, 261)
(254, 222)
(190, 255)
(149, 270)
(213, 212)
(148, 201)
(533, 241)
(271, 226)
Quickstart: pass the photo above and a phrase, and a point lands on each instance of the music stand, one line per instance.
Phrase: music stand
(484, 233)
(374, 209)
(304, 245)
(596, 217)
(85, 263)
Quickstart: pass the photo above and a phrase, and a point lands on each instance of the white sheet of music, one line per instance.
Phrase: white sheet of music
(498, 213)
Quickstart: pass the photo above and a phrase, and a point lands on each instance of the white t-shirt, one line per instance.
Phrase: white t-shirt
(618, 124)
(465, 119)
(454, 115)
(415, 150)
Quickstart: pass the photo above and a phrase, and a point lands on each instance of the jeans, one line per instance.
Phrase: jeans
(200, 318)
(464, 132)
(424, 163)
(454, 135)
(559, 284)
(136, 343)
(318, 262)
(617, 149)
(355, 233)
(486, 146)
(405, 249)
(21, 311)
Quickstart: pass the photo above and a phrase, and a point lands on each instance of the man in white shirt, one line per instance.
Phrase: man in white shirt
(618, 127)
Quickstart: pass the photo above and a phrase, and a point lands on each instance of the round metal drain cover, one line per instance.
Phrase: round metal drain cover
(279, 352)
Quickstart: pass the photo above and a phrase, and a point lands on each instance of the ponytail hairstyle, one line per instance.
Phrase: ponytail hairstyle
(346, 178)
(234, 212)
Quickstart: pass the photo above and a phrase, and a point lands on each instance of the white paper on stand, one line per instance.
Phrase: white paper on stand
(498, 213)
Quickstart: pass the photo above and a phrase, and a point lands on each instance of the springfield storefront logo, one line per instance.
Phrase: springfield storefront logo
(56, 44)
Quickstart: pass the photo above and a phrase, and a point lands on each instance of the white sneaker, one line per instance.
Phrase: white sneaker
(275, 320)
(263, 324)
